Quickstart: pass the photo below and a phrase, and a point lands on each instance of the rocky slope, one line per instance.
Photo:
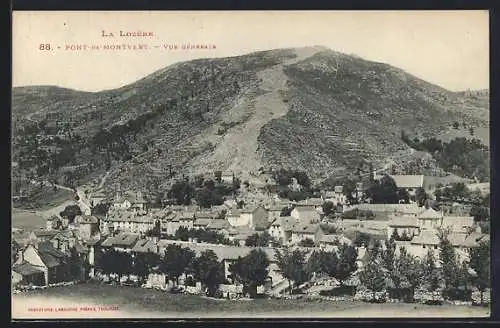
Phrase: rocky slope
(312, 109)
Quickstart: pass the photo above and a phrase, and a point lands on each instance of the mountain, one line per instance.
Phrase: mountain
(312, 109)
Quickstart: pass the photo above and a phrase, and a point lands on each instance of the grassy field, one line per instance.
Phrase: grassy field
(27, 220)
(45, 198)
(137, 302)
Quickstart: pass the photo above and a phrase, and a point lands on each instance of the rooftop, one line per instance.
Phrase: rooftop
(403, 221)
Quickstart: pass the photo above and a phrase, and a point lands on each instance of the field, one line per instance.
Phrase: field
(45, 198)
(27, 220)
(136, 302)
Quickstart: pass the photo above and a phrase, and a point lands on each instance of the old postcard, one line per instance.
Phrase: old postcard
(250, 164)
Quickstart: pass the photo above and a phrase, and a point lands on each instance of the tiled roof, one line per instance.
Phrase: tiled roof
(285, 222)
(307, 214)
(426, 237)
(224, 252)
(396, 208)
(123, 239)
(218, 224)
(430, 213)
(234, 213)
(86, 219)
(458, 222)
(310, 202)
(202, 222)
(145, 246)
(403, 221)
(407, 181)
(26, 269)
(306, 228)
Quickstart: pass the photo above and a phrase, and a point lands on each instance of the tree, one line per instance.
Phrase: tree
(439, 194)
(347, 256)
(182, 233)
(408, 272)
(71, 211)
(431, 274)
(480, 262)
(258, 240)
(292, 267)
(209, 271)
(176, 261)
(307, 242)
(328, 208)
(286, 211)
(421, 196)
(373, 275)
(143, 264)
(101, 209)
(384, 191)
(75, 263)
(182, 192)
(218, 176)
(450, 264)
(480, 213)
(251, 270)
(403, 195)
(362, 238)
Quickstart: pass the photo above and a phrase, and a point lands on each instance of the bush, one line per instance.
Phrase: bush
(404, 294)
(458, 294)
(339, 291)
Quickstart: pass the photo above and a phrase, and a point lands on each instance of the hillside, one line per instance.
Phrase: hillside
(311, 109)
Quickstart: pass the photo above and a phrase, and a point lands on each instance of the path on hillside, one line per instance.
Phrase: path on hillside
(237, 149)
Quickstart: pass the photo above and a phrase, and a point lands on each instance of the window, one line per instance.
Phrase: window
(435, 246)
(423, 246)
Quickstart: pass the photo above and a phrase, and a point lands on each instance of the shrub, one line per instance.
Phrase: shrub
(339, 291)
(458, 294)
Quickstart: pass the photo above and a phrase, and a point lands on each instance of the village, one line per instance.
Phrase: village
(339, 243)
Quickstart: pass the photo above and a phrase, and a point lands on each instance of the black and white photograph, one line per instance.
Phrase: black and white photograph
(250, 164)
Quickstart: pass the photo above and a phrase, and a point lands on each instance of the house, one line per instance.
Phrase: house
(42, 257)
(235, 219)
(26, 274)
(425, 240)
(147, 245)
(123, 241)
(410, 183)
(227, 177)
(97, 197)
(87, 225)
(122, 220)
(201, 223)
(130, 201)
(176, 221)
(430, 219)
(219, 225)
(42, 235)
(336, 196)
(458, 223)
(306, 215)
(281, 228)
(329, 242)
(403, 225)
(240, 234)
(255, 217)
(302, 232)
(274, 212)
(315, 203)
(396, 209)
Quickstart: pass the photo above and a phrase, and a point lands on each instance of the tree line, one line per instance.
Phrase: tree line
(403, 274)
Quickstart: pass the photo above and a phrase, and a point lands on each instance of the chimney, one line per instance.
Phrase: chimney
(20, 256)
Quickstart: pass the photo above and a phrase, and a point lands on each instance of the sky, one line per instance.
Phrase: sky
(447, 48)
